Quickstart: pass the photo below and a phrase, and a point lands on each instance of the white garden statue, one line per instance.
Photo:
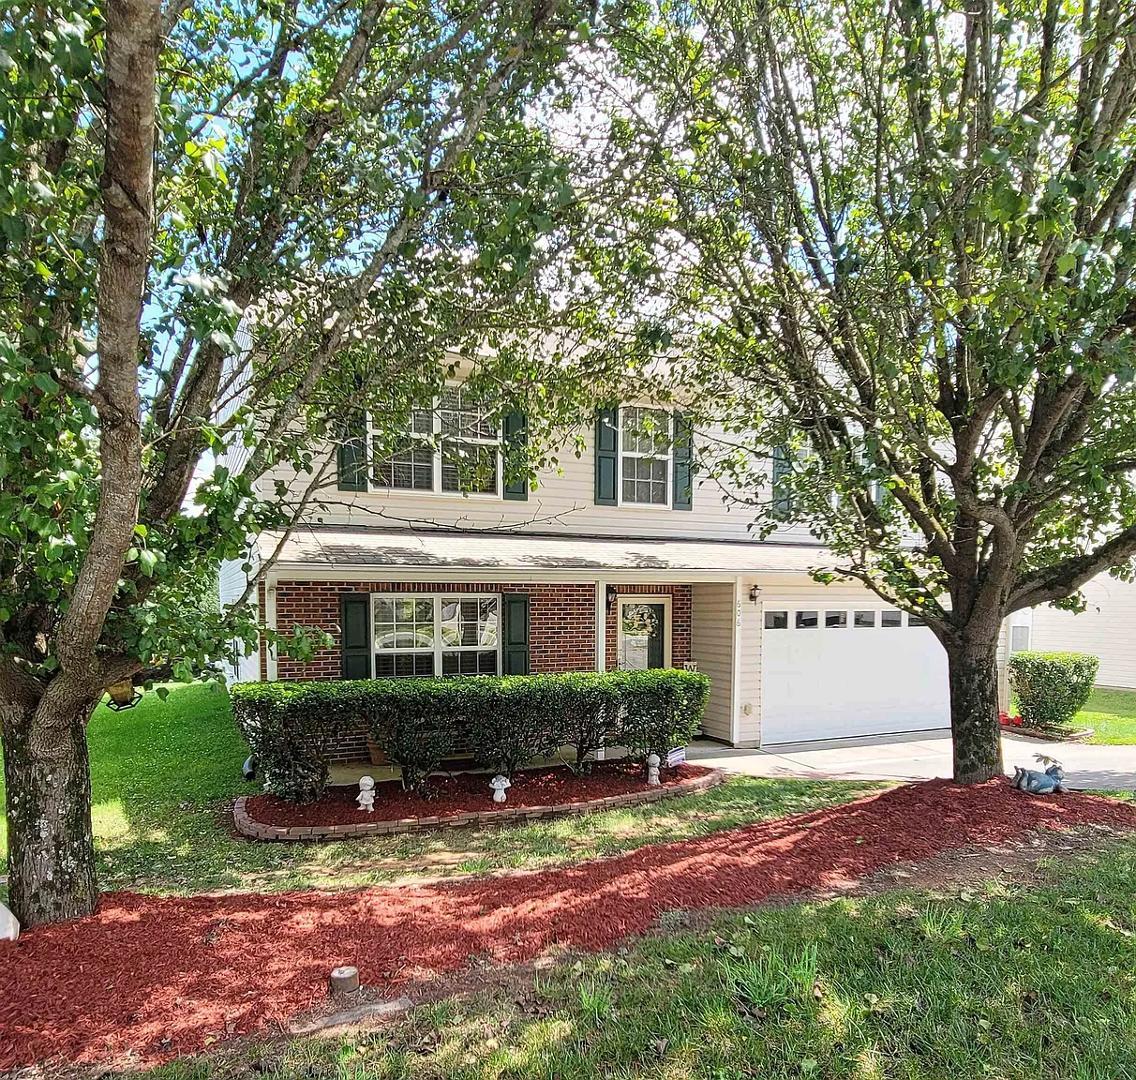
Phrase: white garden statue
(9, 925)
(653, 763)
(500, 784)
(366, 796)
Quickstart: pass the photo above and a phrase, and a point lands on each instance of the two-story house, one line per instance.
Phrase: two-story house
(621, 558)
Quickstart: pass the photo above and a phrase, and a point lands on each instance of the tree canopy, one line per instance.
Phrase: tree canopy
(233, 223)
(892, 244)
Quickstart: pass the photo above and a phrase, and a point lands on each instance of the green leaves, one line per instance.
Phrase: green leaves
(859, 223)
(505, 720)
(343, 243)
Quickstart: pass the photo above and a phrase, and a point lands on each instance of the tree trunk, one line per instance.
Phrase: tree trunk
(973, 673)
(51, 858)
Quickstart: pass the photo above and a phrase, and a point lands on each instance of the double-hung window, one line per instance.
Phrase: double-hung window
(436, 635)
(404, 636)
(454, 449)
(470, 445)
(645, 449)
(410, 464)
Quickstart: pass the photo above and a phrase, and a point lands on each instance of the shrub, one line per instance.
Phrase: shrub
(504, 721)
(411, 732)
(507, 721)
(660, 711)
(289, 726)
(589, 718)
(1051, 688)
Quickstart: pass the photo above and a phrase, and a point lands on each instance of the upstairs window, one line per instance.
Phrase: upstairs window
(782, 470)
(454, 448)
(410, 465)
(470, 444)
(645, 456)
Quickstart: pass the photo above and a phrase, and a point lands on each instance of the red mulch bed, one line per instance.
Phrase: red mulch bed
(464, 793)
(162, 976)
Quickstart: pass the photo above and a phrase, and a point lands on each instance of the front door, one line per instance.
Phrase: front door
(644, 634)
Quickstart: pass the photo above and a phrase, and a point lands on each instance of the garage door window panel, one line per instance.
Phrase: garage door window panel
(776, 620)
(807, 620)
(864, 619)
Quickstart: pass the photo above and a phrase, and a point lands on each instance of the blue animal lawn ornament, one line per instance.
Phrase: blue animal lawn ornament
(1039, 783)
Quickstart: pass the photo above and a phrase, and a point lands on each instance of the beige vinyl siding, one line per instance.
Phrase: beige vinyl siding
(712, 649)
(1106, 628)
(232, 581)
(560, 501)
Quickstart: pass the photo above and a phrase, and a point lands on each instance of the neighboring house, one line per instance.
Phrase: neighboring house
(621, 559)
(1106, 628)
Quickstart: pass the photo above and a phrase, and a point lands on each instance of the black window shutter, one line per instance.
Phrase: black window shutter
(516, 460)
(607, 456)
(515, 640)
(873, 459)
(355, 622)
(782, 499)
(682, 498)
(351, 456)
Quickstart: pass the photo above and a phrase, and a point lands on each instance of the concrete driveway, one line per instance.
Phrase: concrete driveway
(921, 756)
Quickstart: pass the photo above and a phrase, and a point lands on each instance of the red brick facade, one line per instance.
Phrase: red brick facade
(562, 621)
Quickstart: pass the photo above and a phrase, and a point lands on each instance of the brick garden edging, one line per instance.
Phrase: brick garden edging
(258, 830)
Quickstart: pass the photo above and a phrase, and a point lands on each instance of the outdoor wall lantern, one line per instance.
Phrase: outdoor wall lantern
(123, 695)
(612, 596)
(754, 593)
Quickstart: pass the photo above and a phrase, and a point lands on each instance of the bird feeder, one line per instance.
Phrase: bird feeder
(123, 695)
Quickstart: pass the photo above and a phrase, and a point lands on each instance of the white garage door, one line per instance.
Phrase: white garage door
(838, 672)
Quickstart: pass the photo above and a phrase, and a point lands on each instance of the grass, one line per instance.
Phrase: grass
(164, 774)
(1003, 981)
(1112, 716)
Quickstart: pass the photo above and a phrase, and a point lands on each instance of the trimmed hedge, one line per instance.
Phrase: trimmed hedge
(504, 720)
(1051, 687)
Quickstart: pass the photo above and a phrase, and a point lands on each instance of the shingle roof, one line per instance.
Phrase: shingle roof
(328, 547)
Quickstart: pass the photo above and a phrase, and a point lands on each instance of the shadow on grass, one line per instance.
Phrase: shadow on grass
(1002, 982)
(187, 971)
(165, 772)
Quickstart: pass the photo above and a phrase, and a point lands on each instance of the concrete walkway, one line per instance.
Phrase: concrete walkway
(922, 756)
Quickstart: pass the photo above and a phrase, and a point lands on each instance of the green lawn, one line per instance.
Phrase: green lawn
(1112, 716)
(164, 773)
(1003, 981)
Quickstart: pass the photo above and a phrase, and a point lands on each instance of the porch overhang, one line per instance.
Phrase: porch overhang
(335, 553)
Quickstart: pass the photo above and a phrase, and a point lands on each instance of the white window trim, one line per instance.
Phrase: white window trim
(643, 598)
(791, 609)
(438, 440)
(439, 648)
(621, 453)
